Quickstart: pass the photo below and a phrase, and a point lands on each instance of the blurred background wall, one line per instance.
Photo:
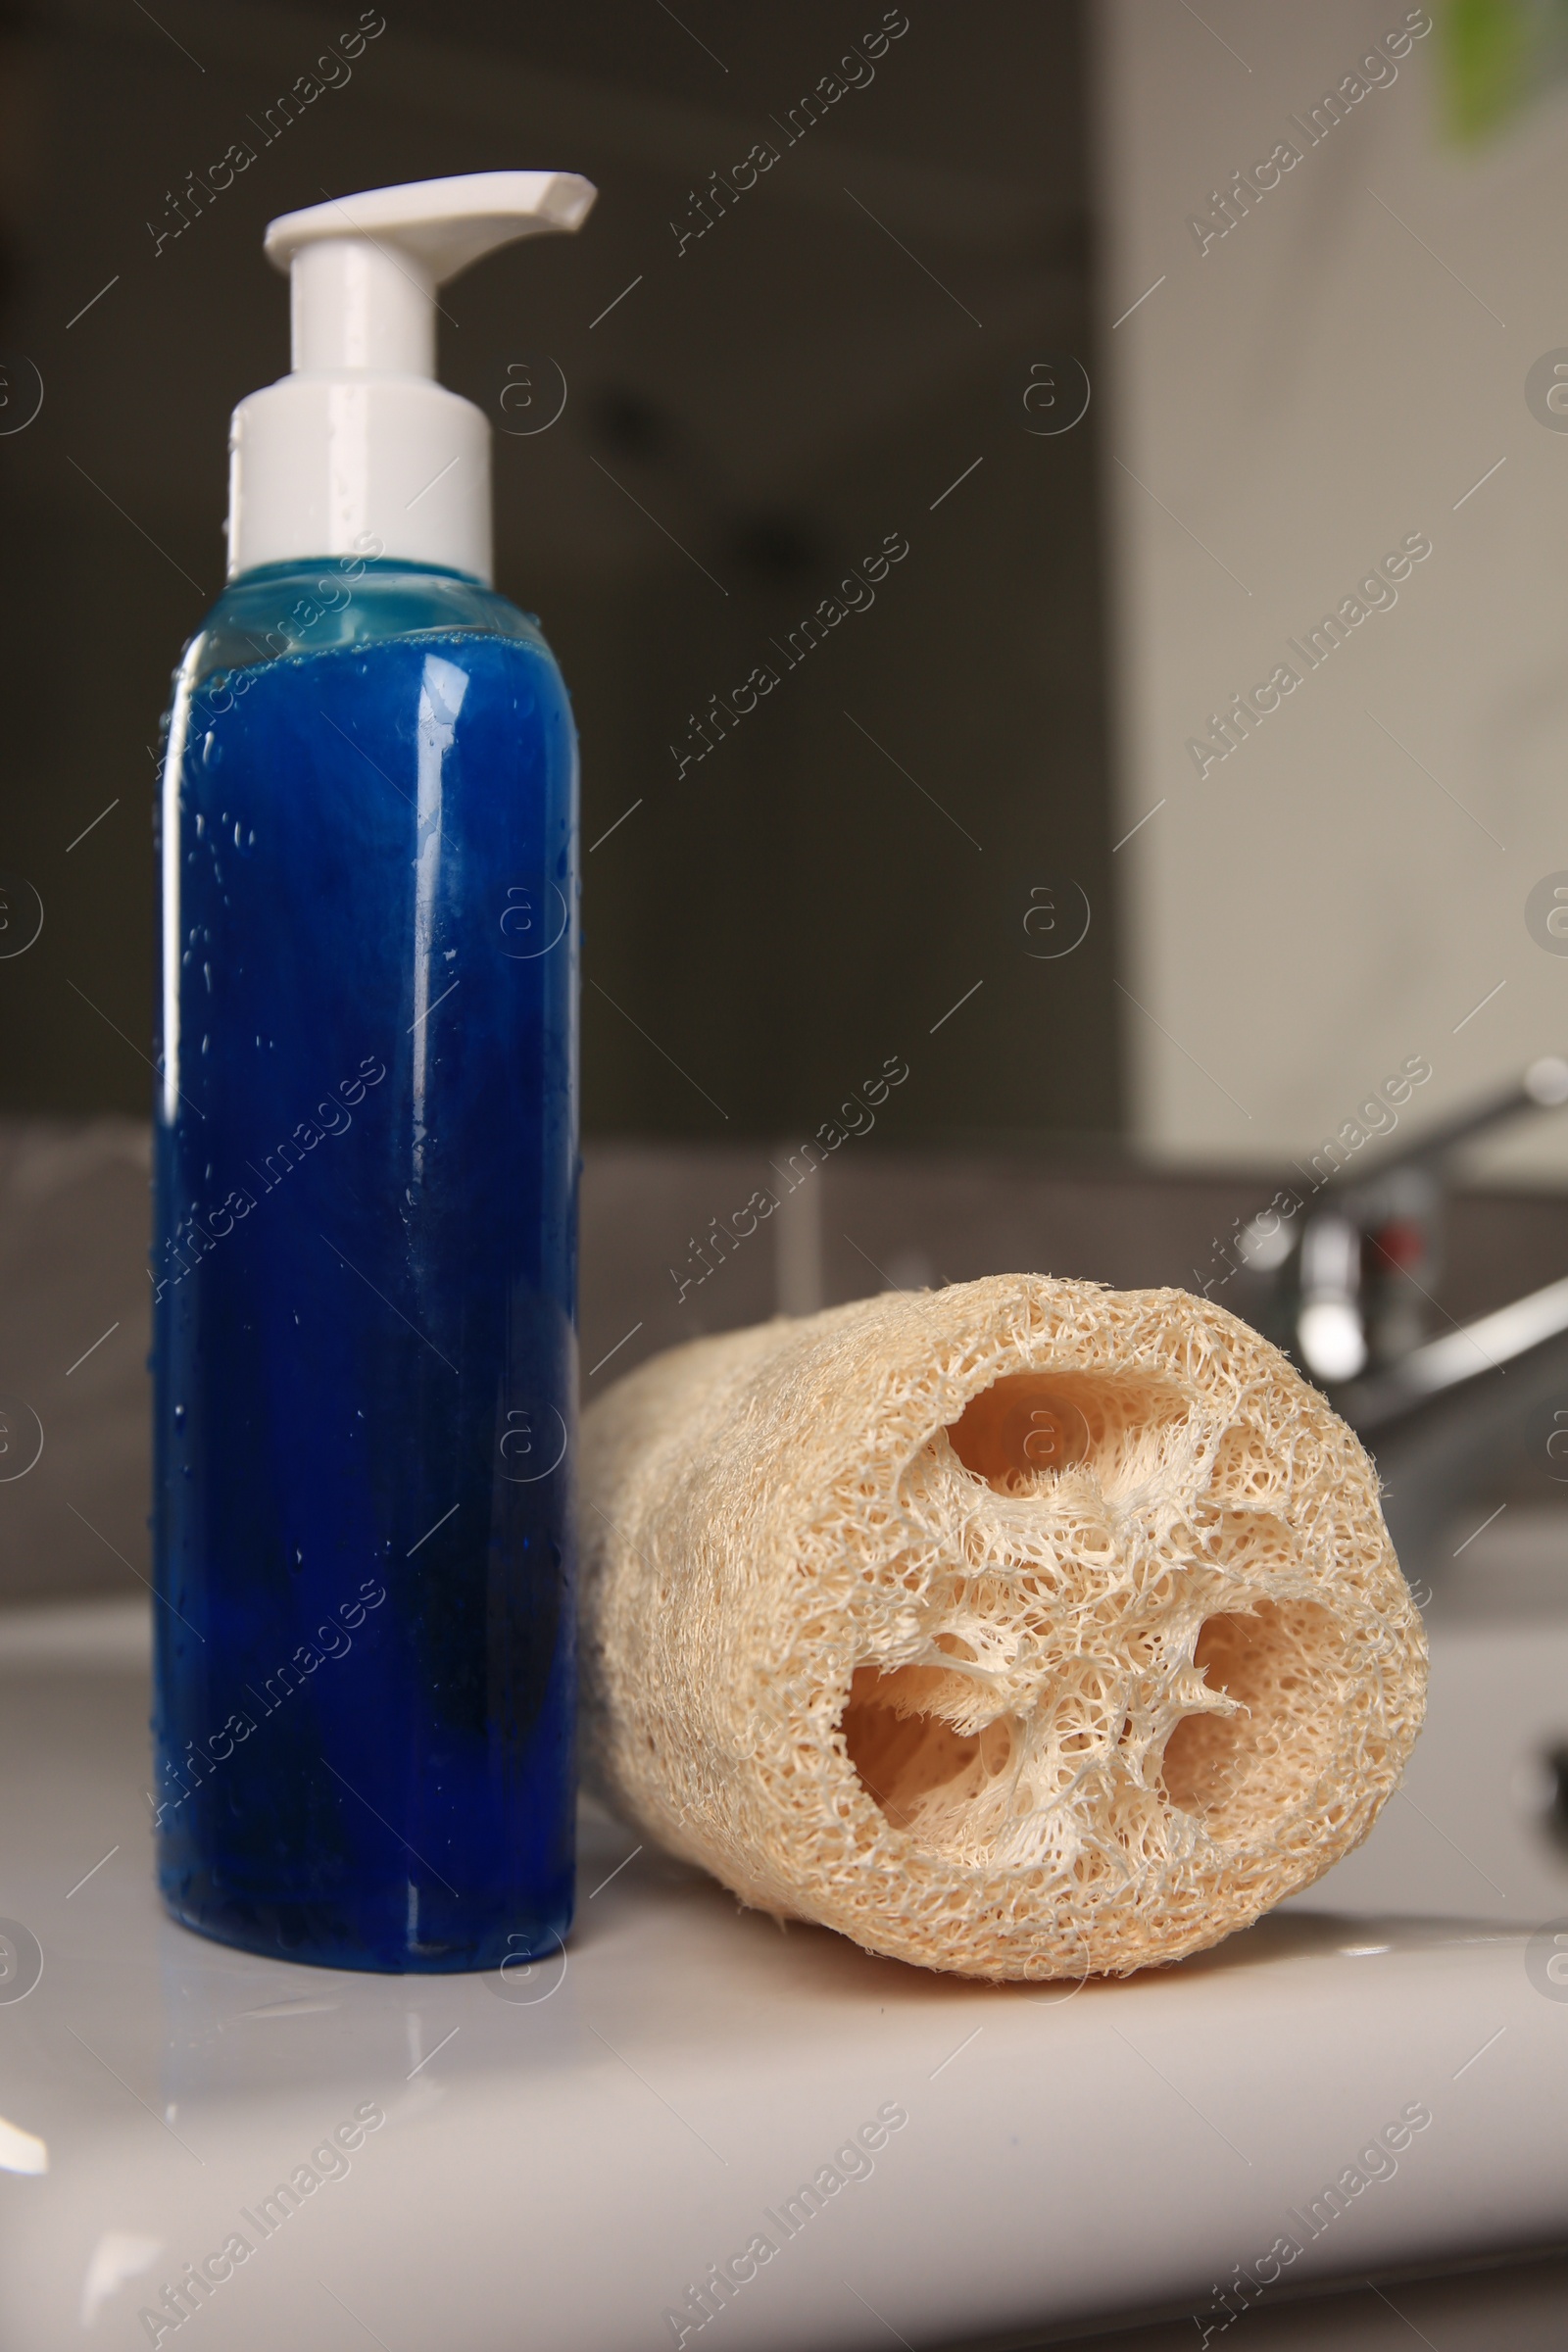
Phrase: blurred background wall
(851, 349)
(1294, 369)
(1357, 350)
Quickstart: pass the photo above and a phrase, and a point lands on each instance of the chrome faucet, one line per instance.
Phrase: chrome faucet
(1350, 1301)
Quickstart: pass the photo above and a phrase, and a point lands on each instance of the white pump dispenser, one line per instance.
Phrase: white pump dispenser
(360, 451)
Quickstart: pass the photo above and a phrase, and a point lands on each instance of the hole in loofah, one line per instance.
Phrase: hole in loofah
(1020, 1434)
(1021, 1425)
(898, 1754)
(1241, 1772)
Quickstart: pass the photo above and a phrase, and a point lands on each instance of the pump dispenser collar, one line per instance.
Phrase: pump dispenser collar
(359, 452)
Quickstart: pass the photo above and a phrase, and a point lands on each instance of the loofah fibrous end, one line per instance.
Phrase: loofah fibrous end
(1023, 1629)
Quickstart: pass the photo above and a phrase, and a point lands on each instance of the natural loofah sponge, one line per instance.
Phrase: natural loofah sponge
(1022, 1628)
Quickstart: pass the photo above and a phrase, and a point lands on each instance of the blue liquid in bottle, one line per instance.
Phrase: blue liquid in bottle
(365, 1275)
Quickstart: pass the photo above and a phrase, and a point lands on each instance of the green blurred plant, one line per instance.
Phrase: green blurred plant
(1494, 57)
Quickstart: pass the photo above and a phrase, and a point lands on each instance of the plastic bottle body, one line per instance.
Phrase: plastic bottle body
(363, 1275)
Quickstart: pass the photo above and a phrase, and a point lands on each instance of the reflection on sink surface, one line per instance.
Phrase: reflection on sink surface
(1496, 1562)
(1470, 1833)
(1474, 1830)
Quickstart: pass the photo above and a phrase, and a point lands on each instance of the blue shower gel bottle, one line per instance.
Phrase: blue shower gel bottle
(364, 1261)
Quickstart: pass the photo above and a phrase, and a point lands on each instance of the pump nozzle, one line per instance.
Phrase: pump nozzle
(359, 451)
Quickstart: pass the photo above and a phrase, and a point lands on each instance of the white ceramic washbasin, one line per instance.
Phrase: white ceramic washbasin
(562, 2169)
